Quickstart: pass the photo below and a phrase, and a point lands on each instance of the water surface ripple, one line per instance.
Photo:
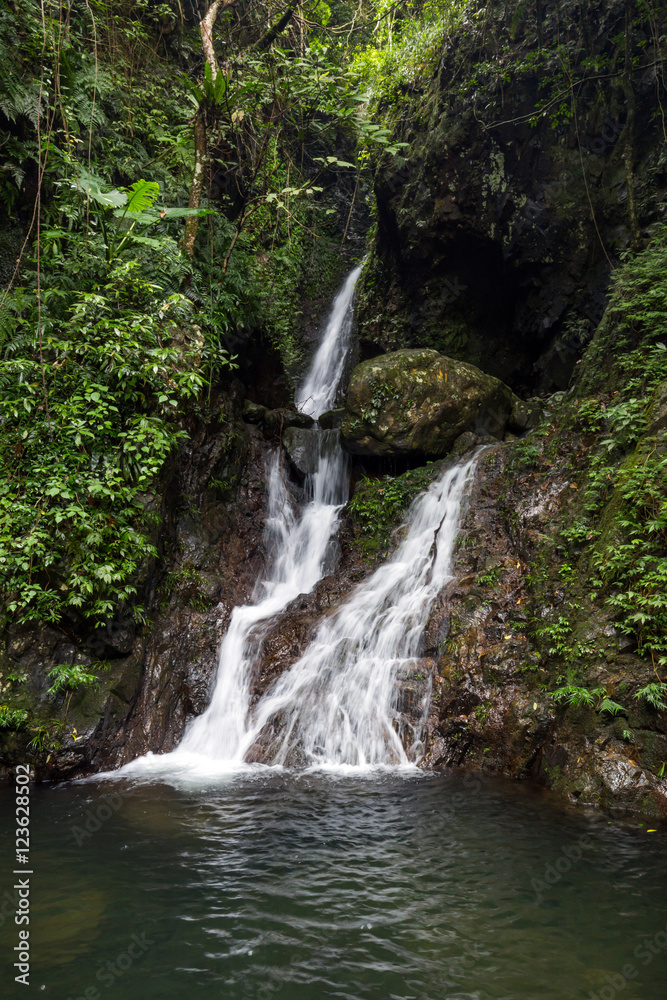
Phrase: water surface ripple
(385, 885)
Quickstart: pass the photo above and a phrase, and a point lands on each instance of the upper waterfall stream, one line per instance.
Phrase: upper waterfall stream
(321, 384)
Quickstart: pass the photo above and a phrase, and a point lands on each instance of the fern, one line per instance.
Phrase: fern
(654, 695)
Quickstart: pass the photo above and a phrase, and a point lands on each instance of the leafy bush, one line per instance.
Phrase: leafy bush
(379, 504)
(12, 718)
(67, 677)
(89, 410)
(579, 697)
(654, 695)
(407, 44)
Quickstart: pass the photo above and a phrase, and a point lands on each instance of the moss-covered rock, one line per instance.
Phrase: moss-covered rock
(419, 402)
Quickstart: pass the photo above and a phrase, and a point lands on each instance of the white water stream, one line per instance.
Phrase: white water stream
(339, 703)
(298, 545)
(320, 386)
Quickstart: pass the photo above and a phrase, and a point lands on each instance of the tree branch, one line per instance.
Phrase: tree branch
(201, 147)
(206, 29)
(266, 40)
(197, 185)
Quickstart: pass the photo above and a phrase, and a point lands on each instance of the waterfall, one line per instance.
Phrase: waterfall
(319, 389)
(339, 703)
(298, 547)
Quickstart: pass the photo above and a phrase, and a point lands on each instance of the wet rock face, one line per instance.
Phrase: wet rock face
(497, 225)
(491, 707)
(419, 402)
(302, 446)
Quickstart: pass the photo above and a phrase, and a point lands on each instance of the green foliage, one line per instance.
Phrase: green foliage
(489, 578)
(482, 712)
(406, 46)
(590, 415)
(525, 454)
(113, 339)
(626, 484)
(581, 697)
(641, 291)
(557, 634)
(87, 425)
(188, 579)
(12, 718)
(632, 567)
(614, 548)
(45, 737)
(124, 216)
(579, 533)
(654, 695)
(607, 705)
(572, 694)
(378, 505)
(69, 677)
(626, 421)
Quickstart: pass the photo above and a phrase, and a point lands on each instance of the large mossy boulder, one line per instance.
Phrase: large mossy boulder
(418, 402)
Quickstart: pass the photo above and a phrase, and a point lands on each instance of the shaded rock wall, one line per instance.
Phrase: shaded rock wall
(153, 678)
(498, 227)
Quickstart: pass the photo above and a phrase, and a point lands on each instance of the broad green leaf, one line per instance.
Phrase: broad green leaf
(142, 194)
(90, 185)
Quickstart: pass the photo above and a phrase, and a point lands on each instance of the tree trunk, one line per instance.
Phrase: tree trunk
(628, 148)
(197, 185)
(206, 29)
(201, 150)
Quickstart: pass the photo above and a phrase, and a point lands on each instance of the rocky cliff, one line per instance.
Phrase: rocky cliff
(533, 158)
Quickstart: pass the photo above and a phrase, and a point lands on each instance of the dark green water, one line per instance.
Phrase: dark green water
(272, 885)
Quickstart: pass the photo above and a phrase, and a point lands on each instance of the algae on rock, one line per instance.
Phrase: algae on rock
(417, 402)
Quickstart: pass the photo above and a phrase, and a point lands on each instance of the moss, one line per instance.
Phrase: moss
(379, 504)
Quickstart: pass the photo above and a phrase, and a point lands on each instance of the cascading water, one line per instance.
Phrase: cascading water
(338, 703)
(319, 389)
(298, 545)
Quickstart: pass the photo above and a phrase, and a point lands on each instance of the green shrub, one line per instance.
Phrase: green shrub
(12, 718)
(378, 505)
